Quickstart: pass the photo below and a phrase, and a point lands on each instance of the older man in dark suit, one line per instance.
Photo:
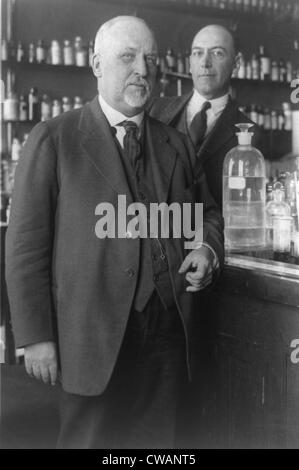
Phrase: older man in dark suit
(113, 313)
(208, 114)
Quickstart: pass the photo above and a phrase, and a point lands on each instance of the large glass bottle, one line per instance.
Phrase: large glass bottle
(244, 194)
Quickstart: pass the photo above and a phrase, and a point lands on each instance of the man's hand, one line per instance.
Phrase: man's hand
(41, 361)
(198, 265)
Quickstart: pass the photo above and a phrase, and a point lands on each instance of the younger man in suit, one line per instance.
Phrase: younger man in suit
(208, 114)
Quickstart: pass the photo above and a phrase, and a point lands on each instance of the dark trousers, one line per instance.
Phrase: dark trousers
(139, 407)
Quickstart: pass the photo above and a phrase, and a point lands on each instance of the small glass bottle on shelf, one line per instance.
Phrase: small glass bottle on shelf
(265, 64)
(33, 105)
(78, 103)
(31, 53)
(260, 116)
(68, 53)
(282, 70)
(170, 60)
(248, 70)
(180, 63)
(16, 149)
(274, 71)
(255, 67)
(11, 107)
(66, 104)
(23, 108)
(56, 108)
(280, 120)
(274, 120)
(41, 52)
(46, 108)
(286, 107)
(80, 52)
(55, 53)
(241, 73)
(20, 53)
(25, 137)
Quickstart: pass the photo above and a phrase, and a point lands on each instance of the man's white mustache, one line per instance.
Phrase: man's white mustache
(140, 83)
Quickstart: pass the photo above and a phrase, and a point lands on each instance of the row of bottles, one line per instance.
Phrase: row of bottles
(269, 7)
(270, 119)
(259, 67)
(33, 108)
(253, 222)
(69, 52)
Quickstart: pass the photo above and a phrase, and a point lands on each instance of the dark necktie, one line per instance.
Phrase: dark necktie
(198, 125)
(132, 146)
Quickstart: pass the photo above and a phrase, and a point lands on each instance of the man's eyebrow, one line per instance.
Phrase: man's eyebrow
(214, 47)
(131, 49)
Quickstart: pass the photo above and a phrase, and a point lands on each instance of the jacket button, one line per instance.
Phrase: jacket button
(130, 272)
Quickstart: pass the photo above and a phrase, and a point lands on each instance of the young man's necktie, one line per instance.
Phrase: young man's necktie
(198, 125)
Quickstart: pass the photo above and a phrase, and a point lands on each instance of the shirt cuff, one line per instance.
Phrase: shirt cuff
(216, 263)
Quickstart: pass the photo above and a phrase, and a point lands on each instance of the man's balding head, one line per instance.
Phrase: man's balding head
(124, 63)
(213, 59)
(118, 24)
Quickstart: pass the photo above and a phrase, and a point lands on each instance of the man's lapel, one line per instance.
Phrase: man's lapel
(99, 146)
(220, 134)
(172, 111)
(162, 156)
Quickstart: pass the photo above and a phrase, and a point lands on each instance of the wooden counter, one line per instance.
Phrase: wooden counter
(249, 364)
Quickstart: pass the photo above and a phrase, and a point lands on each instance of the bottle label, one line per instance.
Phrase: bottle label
(236, 182)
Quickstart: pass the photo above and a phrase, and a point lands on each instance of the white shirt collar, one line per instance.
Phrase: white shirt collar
(217, 104)
(114, 117)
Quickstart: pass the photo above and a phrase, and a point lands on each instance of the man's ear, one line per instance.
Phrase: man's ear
(236, 64)
(97, 64)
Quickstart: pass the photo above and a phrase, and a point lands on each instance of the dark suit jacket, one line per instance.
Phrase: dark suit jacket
(59, 274)
(216, 145)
